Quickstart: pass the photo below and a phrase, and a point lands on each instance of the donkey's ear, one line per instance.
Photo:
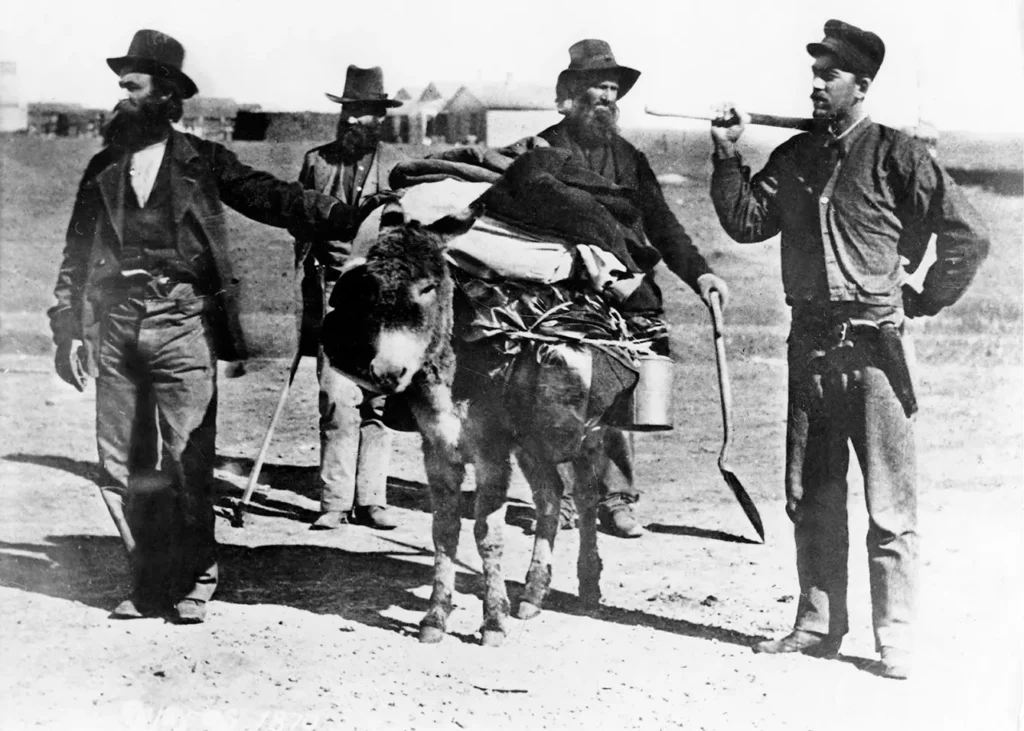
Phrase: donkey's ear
(455, 224)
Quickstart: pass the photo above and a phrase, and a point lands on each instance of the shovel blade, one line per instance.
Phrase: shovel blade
(749, 509)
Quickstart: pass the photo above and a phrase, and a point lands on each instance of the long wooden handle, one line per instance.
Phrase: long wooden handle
(723, 371)
(766, 120)
(257, 466)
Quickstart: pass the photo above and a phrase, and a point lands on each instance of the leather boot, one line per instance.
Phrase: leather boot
(804, 642)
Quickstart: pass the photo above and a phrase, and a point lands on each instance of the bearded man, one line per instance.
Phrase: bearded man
(147, 302)
(587, 94)
(355, 446)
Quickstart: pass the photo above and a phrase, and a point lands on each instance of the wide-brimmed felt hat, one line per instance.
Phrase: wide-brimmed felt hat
(365, 86)
(593, 57)
(157, 54)
(859, 51)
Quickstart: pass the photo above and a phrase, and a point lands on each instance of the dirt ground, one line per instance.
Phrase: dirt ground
(318, 630)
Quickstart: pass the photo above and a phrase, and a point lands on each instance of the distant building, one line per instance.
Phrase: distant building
(212, 118)
(496, 114)
(62, 119)
(13, 114)
(285, 126)
(415, 121)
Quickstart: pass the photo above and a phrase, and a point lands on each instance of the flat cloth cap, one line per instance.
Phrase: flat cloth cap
(859, 51)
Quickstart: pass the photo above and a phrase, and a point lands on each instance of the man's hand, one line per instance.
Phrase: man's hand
(727, 127)
(708, 283)
(68, 363)
(376, 200)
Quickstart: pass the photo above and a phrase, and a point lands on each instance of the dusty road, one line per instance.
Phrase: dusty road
(317, 630)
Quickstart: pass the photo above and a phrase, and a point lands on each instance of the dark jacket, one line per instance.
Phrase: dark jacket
(848, 211)
(321, 172)
(628, 168)
(203, 177)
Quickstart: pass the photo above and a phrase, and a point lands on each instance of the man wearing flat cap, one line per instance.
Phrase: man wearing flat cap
(355, 446)
(850, 199)
(147, 302)
(587, 93)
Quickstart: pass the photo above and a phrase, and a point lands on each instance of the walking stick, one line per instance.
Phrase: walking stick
(726, 393)
(258, 464)
(303, 251)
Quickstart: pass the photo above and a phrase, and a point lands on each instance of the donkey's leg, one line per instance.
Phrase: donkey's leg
(589, 467)
(445, 476)
(493, 472)
(547, 489)
(445, 470)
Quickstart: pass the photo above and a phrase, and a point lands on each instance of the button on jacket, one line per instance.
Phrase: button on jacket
(847, 210)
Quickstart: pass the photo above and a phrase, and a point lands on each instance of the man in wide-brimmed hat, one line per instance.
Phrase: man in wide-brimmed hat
(587, 93)
(147, 302)
(355, 446)
(850, 199)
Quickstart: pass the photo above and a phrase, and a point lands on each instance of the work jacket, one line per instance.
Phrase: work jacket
(204, 176)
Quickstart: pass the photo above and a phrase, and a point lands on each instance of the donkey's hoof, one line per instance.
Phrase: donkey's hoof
(527, 610)
(492, 638)
(431, 635)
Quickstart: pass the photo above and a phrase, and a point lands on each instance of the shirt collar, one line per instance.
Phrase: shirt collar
(845, 140)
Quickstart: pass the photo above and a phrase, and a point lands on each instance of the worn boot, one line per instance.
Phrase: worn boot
(617, 517)
(804, 642)
(375, 516)
(894, 664)
(330, 520)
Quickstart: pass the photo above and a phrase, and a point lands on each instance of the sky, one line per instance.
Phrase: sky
(957, 65)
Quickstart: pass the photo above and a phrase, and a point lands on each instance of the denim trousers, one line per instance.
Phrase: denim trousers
(355, 446)
(838, 396)
(156, 398)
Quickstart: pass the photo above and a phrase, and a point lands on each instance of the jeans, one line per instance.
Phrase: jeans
(617, 479)
(355, 446)
(839, 396)
(156, 392)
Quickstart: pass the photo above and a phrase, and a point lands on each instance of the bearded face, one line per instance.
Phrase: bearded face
(594, 116)
(357, 139)
(138, 122)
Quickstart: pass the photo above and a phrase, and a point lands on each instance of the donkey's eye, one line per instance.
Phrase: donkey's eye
(428, 289)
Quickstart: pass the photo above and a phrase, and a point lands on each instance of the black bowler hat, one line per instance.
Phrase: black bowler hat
(859, 51)
(592, 57)
(365, 86)
(157, 54)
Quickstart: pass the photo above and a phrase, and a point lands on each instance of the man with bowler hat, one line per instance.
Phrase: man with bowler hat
(147, 302)
(355, 446)
(850, 198)
(587, 94)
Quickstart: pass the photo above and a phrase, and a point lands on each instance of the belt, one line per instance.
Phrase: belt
(140, 282)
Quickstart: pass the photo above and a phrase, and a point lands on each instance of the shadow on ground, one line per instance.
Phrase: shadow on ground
(357, 586)
(78, 468)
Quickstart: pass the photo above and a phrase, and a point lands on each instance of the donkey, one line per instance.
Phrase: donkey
(391, 330)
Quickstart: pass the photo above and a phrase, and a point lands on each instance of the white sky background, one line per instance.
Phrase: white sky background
(959, 63)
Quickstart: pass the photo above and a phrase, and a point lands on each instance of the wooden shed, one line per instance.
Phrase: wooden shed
(415, 121)
(496, 114)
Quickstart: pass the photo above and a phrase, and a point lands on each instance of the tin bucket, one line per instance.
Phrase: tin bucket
(650, 405)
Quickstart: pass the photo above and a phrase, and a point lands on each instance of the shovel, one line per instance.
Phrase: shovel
(723, 386)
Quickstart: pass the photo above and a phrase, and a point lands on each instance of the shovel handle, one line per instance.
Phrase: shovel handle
(724, 389)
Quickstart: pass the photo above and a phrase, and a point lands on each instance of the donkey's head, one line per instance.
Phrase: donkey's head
(393, 313)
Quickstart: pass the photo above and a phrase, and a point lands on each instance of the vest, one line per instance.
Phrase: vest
(150, 241)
